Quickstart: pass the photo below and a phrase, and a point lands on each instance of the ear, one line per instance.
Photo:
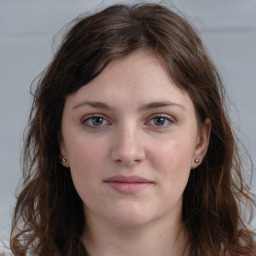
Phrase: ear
(63, 155)
(202, 143)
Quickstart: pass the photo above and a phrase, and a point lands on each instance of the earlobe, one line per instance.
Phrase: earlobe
(202, 143)
(63, 155)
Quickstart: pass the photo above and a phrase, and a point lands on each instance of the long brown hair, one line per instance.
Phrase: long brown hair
(48, 217)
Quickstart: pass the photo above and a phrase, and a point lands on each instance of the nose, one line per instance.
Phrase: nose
(128, 147)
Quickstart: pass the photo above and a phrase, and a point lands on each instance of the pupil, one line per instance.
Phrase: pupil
(159, 121)
(97, 121)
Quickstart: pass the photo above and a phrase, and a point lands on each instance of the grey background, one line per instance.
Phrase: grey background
(27, 27)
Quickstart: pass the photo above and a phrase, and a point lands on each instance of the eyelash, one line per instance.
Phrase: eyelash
(105, 122)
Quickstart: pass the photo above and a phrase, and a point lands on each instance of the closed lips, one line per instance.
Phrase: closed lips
(128, 185)
(127, 179)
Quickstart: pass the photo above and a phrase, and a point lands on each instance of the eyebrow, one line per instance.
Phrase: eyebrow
(93, 104)
(144, 107)
(159, 104)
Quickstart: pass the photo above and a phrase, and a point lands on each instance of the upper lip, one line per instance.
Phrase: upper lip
(127, 179)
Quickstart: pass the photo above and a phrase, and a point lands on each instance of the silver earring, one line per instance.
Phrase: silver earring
(196, 160)
(63, 160)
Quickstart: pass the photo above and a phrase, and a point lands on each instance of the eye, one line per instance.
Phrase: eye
(95, 121)
(160, 120)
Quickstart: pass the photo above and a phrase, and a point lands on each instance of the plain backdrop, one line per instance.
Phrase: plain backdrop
(27, 28)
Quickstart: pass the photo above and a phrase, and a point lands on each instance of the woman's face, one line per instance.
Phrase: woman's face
(130, 138)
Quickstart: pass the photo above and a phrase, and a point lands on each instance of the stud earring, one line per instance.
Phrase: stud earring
(196, 160)
(63, 160)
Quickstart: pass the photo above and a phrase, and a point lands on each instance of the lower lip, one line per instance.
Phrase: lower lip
(128, 188)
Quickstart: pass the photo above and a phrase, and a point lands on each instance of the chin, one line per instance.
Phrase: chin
(130, 217)
(129, 222)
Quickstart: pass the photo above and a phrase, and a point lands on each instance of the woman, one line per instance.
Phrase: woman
(129, 150)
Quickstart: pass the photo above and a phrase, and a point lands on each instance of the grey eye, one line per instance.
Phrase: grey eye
(97, 121)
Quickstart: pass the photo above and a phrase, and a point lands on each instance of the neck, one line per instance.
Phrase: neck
(102, 239)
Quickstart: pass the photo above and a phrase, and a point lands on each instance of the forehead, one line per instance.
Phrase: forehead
(141, 68)
(137, 78)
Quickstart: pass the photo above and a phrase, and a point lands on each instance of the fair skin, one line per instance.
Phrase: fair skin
(130, 138)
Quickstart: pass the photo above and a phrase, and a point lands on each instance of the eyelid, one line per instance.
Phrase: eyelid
(168, 117)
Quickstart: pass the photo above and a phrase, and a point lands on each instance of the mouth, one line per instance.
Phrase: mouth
(128, 184)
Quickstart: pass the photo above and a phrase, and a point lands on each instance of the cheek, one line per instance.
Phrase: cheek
(173, 154)
(87, 161)
(85, 153)
(172, 162)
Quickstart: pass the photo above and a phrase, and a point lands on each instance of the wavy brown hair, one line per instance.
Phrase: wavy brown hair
(48, 217)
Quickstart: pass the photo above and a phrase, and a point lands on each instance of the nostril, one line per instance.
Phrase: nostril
(127, 162)
(128, 158)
